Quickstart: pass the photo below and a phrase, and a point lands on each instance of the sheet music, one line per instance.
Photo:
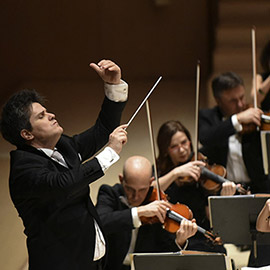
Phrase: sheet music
(255, 268)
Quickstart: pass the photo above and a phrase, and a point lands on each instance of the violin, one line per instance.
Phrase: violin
(265, 121)
(174, 216)
(181, 209)
(251, 127)
(207, 183)
(211, 179)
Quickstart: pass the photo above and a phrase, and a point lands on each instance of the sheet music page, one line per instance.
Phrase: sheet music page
(256, 268)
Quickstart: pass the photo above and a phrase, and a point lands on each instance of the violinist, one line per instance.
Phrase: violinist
(263, 219)
(120, 208)
(263, 225)
(224, 143)
(174, 164)
(263, 80)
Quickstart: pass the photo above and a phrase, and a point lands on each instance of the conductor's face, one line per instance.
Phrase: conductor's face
(45, 129)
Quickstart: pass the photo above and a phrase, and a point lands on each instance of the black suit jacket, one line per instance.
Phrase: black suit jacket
(53, 201)
(214, 136)
(117, 223)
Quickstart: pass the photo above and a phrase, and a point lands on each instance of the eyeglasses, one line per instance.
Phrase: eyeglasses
(184, 144)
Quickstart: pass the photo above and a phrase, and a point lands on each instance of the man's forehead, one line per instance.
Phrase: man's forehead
(37, 108)
(138, 184)
(232, 93)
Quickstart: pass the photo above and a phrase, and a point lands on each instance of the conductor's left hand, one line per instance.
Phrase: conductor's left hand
(108, 71)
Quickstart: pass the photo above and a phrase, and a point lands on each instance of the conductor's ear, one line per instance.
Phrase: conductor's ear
(27, 135)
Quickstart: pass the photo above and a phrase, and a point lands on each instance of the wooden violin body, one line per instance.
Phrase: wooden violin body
(209, 184)
(169, 224)
(174, 216)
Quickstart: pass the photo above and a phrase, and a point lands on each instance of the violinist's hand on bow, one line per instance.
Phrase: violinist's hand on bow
(108, 71)
(118, 138)
(228, 189)
(190, 169)
(249, 116)
(155, 208)
(187, 229)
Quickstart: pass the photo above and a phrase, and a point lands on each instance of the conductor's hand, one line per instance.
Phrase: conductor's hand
(187, 229)
(118, 138)
(108, 71)
(155, 208)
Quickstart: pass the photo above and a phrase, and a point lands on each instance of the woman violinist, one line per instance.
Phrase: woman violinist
(174, 166)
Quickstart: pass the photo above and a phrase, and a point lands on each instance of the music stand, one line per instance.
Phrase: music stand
(186, 260)
(233, 218)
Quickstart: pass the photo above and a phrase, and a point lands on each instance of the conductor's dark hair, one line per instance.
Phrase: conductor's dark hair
(16, 115)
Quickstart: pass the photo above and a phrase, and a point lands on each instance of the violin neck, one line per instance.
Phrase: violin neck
(178, 218)
(212, 176)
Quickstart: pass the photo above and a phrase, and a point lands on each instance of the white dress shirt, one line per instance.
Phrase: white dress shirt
(236, 169)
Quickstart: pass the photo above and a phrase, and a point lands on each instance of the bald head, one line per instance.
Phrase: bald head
(137, 169)
(136, 179)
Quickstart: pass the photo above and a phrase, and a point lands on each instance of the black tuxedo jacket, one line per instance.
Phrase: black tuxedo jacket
(53, 201)
(117, 223)
(214, 136)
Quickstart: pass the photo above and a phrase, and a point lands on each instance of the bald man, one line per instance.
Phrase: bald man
(120, 209)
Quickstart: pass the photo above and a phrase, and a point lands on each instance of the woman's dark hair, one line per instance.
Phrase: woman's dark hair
(225, 81)
(265, 57)
(16, 115)
(165, 134)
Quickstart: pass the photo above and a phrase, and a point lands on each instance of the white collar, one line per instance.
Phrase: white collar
(47, 151)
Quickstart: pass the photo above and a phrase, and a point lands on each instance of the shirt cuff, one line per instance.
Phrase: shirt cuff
(185, 246)
(116, 92)
(135, 218)
(237, 126)
(107, 158)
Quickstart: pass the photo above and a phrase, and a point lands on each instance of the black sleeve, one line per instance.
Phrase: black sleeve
(36, 179)
(212, 130)
(112, 217)
(265, 104)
